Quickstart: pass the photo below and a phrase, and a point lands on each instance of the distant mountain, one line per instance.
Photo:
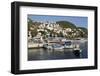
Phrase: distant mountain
(83, 28)
(66, 24)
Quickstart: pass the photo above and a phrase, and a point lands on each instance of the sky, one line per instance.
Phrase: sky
(78, 21)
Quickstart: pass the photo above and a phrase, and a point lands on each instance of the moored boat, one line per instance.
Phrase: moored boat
(77, 48)
(57, 46)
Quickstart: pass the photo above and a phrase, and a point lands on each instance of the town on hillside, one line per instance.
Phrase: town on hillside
(58, 29)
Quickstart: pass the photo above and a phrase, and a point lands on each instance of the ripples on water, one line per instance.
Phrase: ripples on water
(47, 54)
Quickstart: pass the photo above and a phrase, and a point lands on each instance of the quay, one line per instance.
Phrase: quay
(54, 44)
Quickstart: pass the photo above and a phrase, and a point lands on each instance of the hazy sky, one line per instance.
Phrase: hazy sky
(78, 21)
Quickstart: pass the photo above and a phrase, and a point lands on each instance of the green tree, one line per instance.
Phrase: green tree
(30, 23)
(66, 24)
(34, 32)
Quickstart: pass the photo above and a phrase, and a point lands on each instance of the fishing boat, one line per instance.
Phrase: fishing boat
(57, 47)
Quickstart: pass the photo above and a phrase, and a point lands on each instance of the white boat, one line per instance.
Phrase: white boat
(57, 46)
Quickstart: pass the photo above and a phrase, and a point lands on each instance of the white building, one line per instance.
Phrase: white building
(68, 30)
(49, 26)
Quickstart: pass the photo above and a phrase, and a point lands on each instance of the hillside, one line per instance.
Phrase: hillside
(66, 24)
(65, 29)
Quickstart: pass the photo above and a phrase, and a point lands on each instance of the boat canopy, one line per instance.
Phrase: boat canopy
(68, 43)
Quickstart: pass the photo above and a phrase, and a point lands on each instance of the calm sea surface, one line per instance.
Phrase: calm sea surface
(47, 54)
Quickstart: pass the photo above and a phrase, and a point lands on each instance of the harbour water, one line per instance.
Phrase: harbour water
(50, 54)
